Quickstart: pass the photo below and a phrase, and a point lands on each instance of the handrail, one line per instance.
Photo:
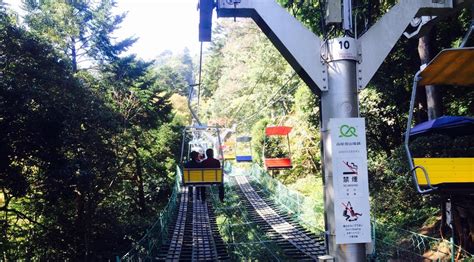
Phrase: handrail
(418, 188)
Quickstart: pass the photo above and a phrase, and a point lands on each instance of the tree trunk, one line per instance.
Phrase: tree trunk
(73, 55)
(138, 177)
(79, 205)
(463, 216)
(433, 98)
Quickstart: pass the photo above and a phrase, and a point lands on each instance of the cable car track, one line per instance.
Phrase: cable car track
(176, 242)
(195, 236)
(296, 242)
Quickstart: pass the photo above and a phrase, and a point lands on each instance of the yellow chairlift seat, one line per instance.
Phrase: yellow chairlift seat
(450, 67)
(445, 170)
(229, 150)
(193, 176)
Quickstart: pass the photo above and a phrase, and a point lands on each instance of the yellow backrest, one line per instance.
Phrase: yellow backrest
(445, 170)
(229, 150)
(202, 175)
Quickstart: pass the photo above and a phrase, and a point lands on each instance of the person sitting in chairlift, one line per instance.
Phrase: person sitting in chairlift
(210, 161)
(194, 161)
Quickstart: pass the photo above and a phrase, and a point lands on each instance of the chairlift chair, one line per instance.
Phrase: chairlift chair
(449, 67)
(273, 163)
(228, 150)
(201, 176)
(243, 149)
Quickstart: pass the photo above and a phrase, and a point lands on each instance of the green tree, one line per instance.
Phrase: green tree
(86, 157)
(134, 93)
(175, 71)
(80, 29)
(56, 163)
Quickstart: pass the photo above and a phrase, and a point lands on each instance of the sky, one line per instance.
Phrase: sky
(159, 24)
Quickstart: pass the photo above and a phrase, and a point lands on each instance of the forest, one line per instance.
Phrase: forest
(90, 136)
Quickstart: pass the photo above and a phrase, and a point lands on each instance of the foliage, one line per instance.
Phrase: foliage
(80, 29)
(258, 138)
(250, 85)
(52, 141)
(438, 145)
(175, 71)
(87, 157)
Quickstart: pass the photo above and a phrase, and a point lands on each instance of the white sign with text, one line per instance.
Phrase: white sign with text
(350, 180)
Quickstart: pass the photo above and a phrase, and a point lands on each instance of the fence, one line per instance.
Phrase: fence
(300, 207)
(149, 245)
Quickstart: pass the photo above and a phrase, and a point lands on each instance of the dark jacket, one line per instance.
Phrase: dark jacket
(193, 164)
(211, 163)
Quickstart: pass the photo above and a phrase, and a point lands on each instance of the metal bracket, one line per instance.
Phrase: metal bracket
(377, 43)
(298, 45)
(419, 23)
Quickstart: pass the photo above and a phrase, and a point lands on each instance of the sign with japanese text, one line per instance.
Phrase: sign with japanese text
(350, 180)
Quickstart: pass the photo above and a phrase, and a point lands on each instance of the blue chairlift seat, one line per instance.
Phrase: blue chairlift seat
(243, 158)
(243, 155)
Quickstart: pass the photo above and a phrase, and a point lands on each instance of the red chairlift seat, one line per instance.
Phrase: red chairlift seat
(277, 130)
(283, 162)
(278, 163)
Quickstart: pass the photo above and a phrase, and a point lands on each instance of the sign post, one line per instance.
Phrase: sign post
(339, 109)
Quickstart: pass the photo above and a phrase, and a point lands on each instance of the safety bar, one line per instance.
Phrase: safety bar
(415, 178)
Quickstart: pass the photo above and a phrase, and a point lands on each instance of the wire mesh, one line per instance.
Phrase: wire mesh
(245, 241)
(300, 207)
(148, 246)
(398, 243)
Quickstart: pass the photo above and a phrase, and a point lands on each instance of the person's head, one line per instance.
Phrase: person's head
(210, 153)
(194, 155)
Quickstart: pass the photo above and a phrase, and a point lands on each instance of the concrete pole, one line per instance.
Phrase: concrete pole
(340, 101)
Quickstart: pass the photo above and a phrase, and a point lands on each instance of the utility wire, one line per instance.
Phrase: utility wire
(195, 115)
(270, 100)
(200, 71)
(266, 106)
(250, 93)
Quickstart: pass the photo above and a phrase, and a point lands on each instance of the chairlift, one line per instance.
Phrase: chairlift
(274, 162)
(243, 149)
(228, 150)
(450, 67)
(199, 138)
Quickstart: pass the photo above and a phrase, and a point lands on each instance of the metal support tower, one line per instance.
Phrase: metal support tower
(335, 70)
